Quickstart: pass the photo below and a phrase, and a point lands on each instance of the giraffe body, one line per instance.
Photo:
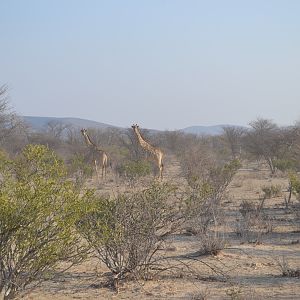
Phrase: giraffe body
(156, 152)
(103, 157)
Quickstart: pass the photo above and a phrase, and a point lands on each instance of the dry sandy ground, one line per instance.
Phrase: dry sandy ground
(249, 271)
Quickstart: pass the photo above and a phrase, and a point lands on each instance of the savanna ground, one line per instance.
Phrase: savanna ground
(242, 270)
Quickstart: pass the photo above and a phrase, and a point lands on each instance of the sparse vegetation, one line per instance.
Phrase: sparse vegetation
(172, 230)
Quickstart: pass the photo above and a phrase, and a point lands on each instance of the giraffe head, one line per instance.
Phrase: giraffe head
(135, 126)
(83, 131)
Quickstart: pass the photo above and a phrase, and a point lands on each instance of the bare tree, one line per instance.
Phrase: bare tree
(56, 128)
(233, 136)
(10, 123)
(129, 142)
(74, 137)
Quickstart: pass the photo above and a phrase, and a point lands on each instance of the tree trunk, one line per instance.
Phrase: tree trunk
(271, 166)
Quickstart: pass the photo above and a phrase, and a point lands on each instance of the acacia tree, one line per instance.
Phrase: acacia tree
(264, 141)
(38, 210)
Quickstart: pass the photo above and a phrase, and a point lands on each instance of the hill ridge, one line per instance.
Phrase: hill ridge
(39, 123)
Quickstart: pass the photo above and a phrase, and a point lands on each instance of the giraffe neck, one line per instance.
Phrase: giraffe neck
(92, 144)
(144, 144)
(89, 141)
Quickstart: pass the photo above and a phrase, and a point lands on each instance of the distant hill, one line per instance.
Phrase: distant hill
(40, 123)
(205, 130)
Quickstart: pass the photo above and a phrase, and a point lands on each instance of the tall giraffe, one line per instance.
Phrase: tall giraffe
(96, 149)
(156, 152)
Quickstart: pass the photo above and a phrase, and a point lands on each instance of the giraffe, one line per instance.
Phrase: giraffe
(156, 152)
(96, 149)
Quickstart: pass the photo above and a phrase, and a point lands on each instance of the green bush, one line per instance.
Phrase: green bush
(271, 191)
(284, 164)
(294, 183)
(134, 169)
(38, 209)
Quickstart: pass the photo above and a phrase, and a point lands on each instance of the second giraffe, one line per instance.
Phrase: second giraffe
(156, 152)
(101, 154)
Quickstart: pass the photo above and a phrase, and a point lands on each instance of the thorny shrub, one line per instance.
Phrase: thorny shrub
(210, 244)
(254, 223)
(204, 196)
(127, 231)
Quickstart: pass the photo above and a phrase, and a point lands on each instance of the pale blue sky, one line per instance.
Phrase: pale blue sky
(164, 64)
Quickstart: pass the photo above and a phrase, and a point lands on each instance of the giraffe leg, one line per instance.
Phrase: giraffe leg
(96, 168)
(160, 173)
(160, 167)
(104, 165)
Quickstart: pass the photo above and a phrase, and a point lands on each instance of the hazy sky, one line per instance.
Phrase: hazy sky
(164, 64)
